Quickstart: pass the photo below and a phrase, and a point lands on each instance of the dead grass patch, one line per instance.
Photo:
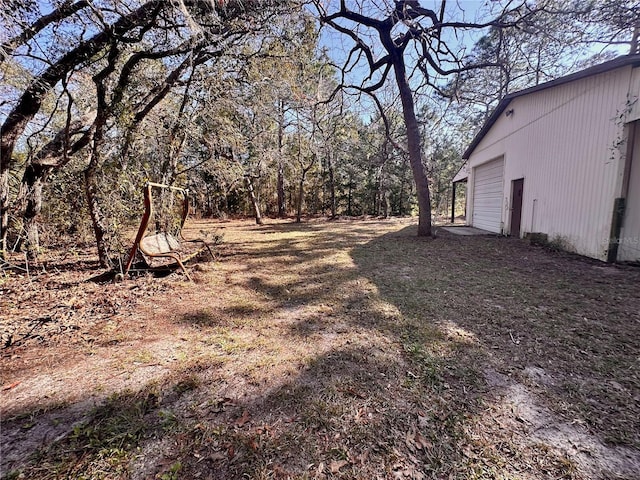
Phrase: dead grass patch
(346, 349)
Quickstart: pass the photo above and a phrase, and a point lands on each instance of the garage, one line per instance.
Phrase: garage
(487, 195)
(562, 160)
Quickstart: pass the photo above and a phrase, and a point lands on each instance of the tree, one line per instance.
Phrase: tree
(420, 47)
(30, 101)
(51, 157)
(551, 44)
(113, 42)
(604, 23)
(394, 48)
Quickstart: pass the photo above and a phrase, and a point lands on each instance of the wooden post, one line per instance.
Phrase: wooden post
(453, 203)
(616, 226)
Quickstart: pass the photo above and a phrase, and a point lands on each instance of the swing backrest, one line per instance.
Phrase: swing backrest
(162, 241)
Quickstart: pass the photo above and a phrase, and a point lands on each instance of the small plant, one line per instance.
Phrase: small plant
(13, 475)
(187, 384)
(560, 244)
(173, 472)
(618, 149)
(557, 243)
(168, 420)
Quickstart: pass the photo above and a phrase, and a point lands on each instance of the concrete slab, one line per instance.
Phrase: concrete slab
(467, 231)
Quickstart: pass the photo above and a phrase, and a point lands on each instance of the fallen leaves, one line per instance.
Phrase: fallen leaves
(357, 406)
(245, 418)
(416, 441)
(10, 386)
(351, 391)
(73, 305)
(220, 405)
(336, 465)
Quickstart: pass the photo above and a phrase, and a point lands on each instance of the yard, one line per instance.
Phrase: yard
(344, 349)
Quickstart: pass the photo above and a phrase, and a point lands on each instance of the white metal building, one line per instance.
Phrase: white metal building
(563, 159)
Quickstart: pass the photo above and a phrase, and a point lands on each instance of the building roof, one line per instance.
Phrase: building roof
(463, 173)
(623, 61)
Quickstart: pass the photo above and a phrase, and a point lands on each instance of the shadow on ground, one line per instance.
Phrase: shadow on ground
(566, 325)
(352, 354)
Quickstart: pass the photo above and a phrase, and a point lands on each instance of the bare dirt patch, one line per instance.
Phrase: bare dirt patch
(347, 349)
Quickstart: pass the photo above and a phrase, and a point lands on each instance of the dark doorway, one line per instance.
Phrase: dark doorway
(516, 206)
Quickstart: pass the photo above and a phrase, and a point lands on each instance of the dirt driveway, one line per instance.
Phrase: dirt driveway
(345, 349)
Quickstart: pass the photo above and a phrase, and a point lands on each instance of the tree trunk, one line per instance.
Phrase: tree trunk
(53, 156)
(209, 202)
(379, 194)
(254, 200)
(385, 202)
(4, 209)
(349, 195)
(413, 143)
(31, 197)
(282, 212)
(332, 186)
(383, 193)
(280, 181)
(402, 184)
(98, 219)
(300, 196)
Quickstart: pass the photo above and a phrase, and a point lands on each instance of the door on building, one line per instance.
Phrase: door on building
(516, 207)
(487, 196)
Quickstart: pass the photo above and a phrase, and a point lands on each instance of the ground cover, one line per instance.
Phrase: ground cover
(344, 349)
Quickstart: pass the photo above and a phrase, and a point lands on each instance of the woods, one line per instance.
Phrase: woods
(344, 314)
(264, 107)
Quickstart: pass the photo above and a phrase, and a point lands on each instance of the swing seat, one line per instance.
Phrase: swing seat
(163, 250)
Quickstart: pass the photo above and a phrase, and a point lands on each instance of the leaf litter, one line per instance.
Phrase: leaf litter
(346, 349)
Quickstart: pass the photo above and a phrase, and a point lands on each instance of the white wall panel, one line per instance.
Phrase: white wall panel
(634, 96)
(562, 141)
(629, 247)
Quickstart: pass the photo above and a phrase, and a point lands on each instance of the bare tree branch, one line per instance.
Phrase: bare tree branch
(65, 10)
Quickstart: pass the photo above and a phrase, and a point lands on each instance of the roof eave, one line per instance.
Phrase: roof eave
(619, 62)
(487, 126)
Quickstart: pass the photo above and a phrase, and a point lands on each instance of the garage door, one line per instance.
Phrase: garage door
(487, 196)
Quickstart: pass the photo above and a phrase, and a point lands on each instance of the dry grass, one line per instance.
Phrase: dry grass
(348, 349)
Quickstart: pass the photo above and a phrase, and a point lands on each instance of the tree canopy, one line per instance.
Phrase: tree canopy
(263, 106)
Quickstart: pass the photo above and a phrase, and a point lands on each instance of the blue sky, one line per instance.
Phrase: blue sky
(338, 45)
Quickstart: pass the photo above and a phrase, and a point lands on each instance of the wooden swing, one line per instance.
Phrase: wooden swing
(164, 249)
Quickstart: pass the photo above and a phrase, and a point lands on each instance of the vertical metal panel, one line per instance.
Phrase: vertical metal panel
(487, 194)
(634, 96)
(629, 247)
(564, 142)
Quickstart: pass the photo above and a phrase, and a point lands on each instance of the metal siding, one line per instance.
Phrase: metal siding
(487, 194)
(561, 140)
(634, 94)
(629, 248)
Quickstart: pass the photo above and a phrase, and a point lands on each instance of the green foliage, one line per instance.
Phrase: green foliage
(173, 472)
(263, 105)
(103, 444)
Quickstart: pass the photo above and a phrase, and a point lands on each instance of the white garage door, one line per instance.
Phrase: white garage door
(487, 196)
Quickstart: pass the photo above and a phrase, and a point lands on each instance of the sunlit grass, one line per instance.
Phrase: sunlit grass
(355, 349)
